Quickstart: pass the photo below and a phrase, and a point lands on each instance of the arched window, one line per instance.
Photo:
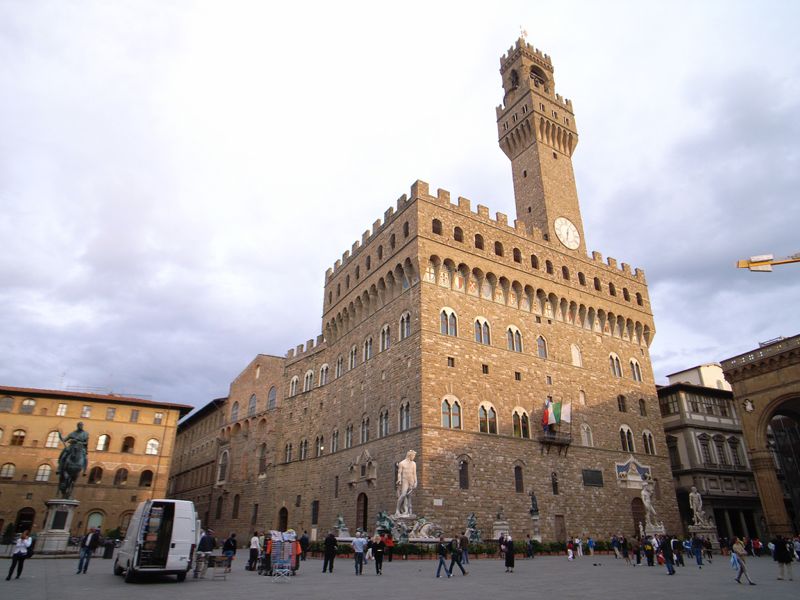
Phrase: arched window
(487, 417)
(303, 449)
(218, 513)
(405, 416)
(615, 365)
(272, 398)
(639, 300)
(380, 252)
(479, 241)
(95, 475)
(565, 273)
(251, 406)
(548, 266)
(94, 520)
(308, 380)
(498, 249)
(463, 474)
(146, 478)
(348, 436)
(235, 412)
(581, 278)
(262, 459)
(405, 229)
(386, 338)
(626, 439)
(392, 241)
(626, 294)
(586, 436)
(577, 357)
(519, 484)
(364, 430)
(517, 255)
(323, 375)
(222, 470)
(648, 442)
(121, 477)
(7, 404)
(612, 289)
(53, 441)
(482, 331)
(319, 446)
(293, 386)
(151, 447)
(27, 406)
(383, 423)
(521, 422)
(622, 404)
(642, 407)
(335, 441)
(339, 366)
(353, 358)
(514, 339)
(541, 347)
(235, 511)
(448, 322)
(7, 471)
(43, 473)
(18, 437)
(287, 453)
(534, 262)
(368, 262)
(451, 413)
(366, 353)
(436, 227)
(405, 326)
(597, 285)
(103, 443)
(636, 371)
(458, 234)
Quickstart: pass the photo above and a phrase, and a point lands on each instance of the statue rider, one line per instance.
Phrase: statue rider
(78, 437)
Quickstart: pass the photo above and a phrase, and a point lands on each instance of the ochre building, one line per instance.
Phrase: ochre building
(129, 455)
(446, 330)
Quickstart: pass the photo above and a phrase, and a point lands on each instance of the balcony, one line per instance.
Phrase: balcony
(548, 439)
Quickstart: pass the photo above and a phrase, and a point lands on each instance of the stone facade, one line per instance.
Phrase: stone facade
(129, 465)
(374, 384)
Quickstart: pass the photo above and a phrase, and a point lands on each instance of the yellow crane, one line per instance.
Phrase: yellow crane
(765, 262)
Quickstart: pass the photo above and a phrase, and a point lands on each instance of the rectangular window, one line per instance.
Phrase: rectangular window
(451, 362)
(336, 487)
(315, 512)
(548, 380)
(517, 376)
(135, 415)
(694, 402)
(668, 405)
(485, 369)
(158, 418)
(593, 478)
(86, 411)
(110, 413)
(62, 410)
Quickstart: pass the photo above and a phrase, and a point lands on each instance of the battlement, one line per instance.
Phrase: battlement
(302, 350)
(523, 46)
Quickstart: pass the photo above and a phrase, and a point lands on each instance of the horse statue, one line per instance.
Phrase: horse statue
(70, 468)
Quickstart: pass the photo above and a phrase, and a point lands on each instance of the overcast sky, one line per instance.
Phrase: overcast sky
(176, 177)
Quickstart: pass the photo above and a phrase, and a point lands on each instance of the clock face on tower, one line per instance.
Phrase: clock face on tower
(567, 233)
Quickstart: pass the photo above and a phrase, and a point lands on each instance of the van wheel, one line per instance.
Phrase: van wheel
(117, 569)
(130, 575)
(181, 576)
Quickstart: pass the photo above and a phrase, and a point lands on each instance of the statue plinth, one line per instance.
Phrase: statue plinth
(536, 533)
(706, 531)
(500, 526)
(54, 538)
(655, 529)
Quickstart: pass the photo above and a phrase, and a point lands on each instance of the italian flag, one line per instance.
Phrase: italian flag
(555, 412)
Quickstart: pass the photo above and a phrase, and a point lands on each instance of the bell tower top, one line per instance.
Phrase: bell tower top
(536, 130)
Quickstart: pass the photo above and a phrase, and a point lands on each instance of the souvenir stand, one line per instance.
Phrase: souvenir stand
(282, 554)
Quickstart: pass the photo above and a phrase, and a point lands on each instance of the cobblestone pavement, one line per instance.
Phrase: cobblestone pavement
(554, 577)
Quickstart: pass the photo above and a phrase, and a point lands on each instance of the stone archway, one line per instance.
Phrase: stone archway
(25, 517)
(639, 514)
(283, 519)
(766, 385)
(362, 512)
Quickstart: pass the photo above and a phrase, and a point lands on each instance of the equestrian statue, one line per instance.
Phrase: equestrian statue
(73, 460)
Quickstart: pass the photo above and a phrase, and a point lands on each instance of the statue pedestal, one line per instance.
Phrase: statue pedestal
(655, 529)
(498, 527)
(536, 532)
(708, 532)
(53, 539)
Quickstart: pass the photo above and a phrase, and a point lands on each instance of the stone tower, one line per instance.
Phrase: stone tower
(536, 130)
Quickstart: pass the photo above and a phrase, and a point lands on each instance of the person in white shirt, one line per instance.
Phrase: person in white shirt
(20, 553)
(255, 550)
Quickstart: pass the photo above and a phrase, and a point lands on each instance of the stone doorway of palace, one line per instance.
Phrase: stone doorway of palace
(283, 519)
(639, 514)
(362, 512)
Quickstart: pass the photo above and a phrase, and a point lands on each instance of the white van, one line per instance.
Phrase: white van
(161, 538)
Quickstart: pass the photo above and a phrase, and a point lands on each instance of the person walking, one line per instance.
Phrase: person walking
(590, 545)
(463, 542)
(441, 550)
(205, 547)
(624, 548)
(89, 544)
(528, 546)
(359, 546)
(22, 546)
(737, 550)
(509, 554)
(229, 550)
(455, 555)
(255, 549)
(330, 546)
(697, 550)
(389, 541)
(378, 547)
(783, 556)
(304, 544)
(666, 550)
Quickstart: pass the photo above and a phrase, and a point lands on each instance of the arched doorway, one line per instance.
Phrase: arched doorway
(639, 514)
(94, 520)
(25, 518)
(362, 512)
(283, 519)
(783, 434)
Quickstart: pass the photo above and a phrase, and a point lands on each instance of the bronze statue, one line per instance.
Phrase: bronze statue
(72, 460)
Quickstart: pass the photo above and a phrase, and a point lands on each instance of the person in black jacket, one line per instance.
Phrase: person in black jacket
(783, 556)
(455, 555)
(441, 549)
(666, 550)
(330, 545)
(205, 547)
(89, 544)
(229, 550)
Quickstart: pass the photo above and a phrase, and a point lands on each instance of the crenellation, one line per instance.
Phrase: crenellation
(356, 245)
(483, 211)
(376, 226)
(388, 214)
(365, 238)
(520, 228)
(612, 262)
(464, 204)
(401, 202)
(328, 274)
(443, 196)
(640, 275)
(596, 256)
(290, 353)
(626, 268)
(501, 218)
(419, 189)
